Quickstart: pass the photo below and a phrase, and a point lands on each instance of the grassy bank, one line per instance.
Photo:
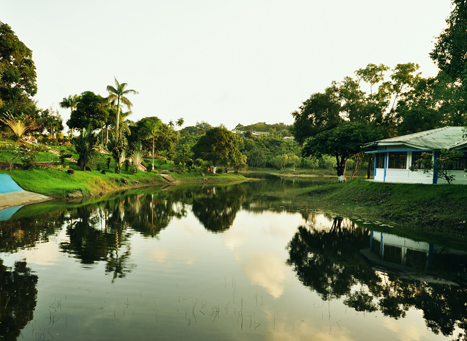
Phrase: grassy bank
(58, 183)
(435, 211)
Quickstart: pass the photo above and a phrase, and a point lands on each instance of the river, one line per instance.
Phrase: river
(226, 262)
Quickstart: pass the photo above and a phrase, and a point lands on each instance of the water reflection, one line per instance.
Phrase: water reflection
(18, 295)
(220, 250)
(328, 261)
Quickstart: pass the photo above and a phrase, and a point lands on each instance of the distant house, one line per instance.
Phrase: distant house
(253, 133)
(394, 156)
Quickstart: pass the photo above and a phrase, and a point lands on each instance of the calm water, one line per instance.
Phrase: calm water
(220, 263)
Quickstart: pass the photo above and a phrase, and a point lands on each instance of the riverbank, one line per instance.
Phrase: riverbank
(59, 184)
(438, 212)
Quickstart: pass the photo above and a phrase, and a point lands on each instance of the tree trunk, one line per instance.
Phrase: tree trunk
(356, 166)
(340, 167)
(153, 153)
(368, 172)
(118, 119)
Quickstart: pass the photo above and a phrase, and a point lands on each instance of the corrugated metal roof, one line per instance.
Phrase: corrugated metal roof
(441, 138)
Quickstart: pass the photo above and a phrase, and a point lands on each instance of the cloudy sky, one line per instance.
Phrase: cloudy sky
(219, 61)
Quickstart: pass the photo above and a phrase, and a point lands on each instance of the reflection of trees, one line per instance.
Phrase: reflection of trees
(151, 213)
(26, 232)
(328, 261)
(98, 232)
(217, 207)
(101, 232)
(17, 299)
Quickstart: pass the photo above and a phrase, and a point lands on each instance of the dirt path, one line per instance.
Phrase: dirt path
(20, 198)
(168, 177)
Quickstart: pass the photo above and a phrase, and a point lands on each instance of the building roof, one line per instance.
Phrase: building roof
(441, 138)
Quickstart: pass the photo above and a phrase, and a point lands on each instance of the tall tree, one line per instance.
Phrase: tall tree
(342, 142)
(89, 112)
(318, 113)
(84, 146)
(150, 129)
(117, 93)
(51, 121)
(450, 52)
(69, 102)
(17, 74)
(219, 145)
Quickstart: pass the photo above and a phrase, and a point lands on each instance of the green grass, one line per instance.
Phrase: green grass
(58, 183)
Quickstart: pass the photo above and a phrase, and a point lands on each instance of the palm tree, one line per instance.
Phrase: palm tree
(118, 93)
(151, 131)
(180, 121)
(21, 124)
(69, 102)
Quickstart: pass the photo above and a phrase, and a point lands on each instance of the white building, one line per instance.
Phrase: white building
(394, 156)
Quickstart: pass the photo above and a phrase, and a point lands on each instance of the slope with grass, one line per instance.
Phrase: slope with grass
(59, 183)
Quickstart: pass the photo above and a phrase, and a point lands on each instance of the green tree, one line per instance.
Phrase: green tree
(239, 161)
(150, 129)
(69, 102)
(51, 121)
(450, 52)
(17, 74)
(84, 145)
(256, 158)
(318, 113)
(219, 145)
(118, 149)
(117, 93)
(180, 121)
(342, 142)
(89, 112)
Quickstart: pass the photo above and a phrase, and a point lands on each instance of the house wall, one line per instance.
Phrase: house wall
(407, 176)
(401, 175)
(460, 178)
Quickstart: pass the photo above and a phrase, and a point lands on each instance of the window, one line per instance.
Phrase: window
(397, 160)
(459, 163)
(380, 160)
(415, 157)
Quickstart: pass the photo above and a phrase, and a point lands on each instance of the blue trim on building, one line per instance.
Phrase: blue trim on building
(398, 150)
(435, 167)
(374, 168)
(385, 166)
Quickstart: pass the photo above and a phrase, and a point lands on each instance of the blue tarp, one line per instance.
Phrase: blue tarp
(7, 213)
(8, 185)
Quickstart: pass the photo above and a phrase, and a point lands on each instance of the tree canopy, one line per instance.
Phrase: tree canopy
(342, 142)
(450, 52)
(219, 146)
(17, 74)
(89, 112)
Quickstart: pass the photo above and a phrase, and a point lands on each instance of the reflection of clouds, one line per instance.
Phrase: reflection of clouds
(405, 329)
(268, 271)
(165, 257)
(234, 238)
(189, 225)
(285, 329)
(43, 254)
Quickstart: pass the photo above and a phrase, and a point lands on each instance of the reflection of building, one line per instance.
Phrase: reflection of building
(407, 255)
(394, 156)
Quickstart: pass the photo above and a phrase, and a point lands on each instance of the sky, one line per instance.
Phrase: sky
(219, 61)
